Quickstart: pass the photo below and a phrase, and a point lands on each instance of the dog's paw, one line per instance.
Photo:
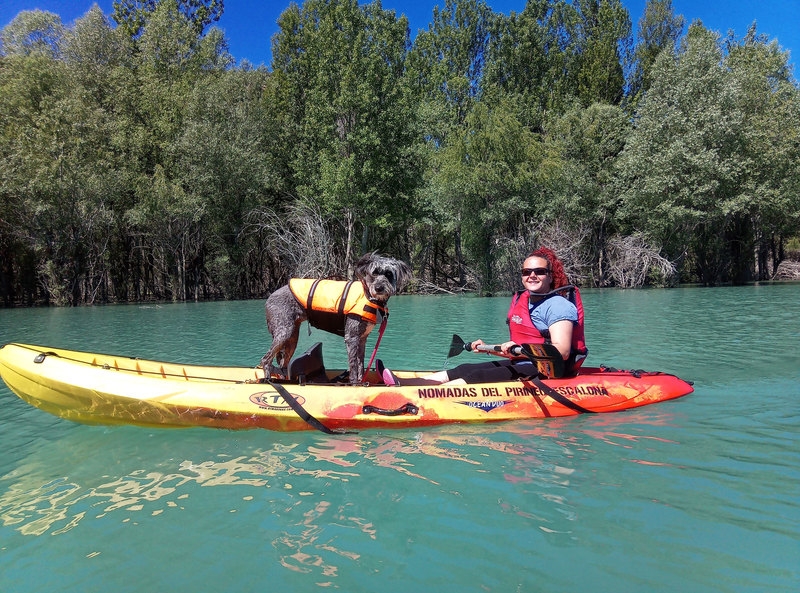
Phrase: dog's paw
(356, 378)
(277, 372)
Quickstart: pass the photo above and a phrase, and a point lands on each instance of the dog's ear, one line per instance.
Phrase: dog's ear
(404, 273)
(361, 268)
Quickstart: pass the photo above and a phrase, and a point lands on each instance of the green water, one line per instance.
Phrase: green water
(699, 494)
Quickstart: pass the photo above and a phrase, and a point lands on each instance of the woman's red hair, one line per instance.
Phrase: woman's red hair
(556, 267)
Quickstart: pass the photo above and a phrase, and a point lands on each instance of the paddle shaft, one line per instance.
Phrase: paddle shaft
(458, 345)
(495, 349)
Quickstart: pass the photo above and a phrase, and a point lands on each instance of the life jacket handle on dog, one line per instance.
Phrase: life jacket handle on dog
(329, 302)
(523, 331)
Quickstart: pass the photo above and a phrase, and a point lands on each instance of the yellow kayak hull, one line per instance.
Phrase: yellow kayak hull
(106, 389)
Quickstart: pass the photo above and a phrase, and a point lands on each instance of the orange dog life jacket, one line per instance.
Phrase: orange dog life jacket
(328, 303)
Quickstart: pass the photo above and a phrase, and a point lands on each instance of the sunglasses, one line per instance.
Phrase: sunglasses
(538, 271)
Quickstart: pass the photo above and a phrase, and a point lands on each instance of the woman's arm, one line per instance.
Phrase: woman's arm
(561, 337)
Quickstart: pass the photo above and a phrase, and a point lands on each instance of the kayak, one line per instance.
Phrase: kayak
(107, 389)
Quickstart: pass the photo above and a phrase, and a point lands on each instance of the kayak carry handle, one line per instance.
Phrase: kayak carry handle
(408, 408)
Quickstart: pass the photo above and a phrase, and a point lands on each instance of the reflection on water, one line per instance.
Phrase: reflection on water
(524, 455)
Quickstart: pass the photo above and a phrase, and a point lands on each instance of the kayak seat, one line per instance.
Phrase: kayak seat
(308, 367)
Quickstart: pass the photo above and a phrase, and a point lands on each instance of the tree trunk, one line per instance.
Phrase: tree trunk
(462, 280)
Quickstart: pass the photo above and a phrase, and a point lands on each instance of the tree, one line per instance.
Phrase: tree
(659, 30)
(709, 160)
(583, 193)
(604, 32)
(766, 202)
(225, 156)
(169, 215)
(680, 160)
(446, 66)
(29, 85)
(33, 32)
(340, 66)
(132, 15)
(59, 173)
(531, 59)
(485, 183)
(447, 61)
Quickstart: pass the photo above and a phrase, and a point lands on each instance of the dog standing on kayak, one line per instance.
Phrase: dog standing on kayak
(349, 309)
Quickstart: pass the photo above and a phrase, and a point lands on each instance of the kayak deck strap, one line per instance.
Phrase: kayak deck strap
(303, 413)
(555, 395)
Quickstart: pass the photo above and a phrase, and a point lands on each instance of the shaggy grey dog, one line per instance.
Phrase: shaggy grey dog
(381, 277)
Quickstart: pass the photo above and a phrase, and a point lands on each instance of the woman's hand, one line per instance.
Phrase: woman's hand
(473, 346)
(506, 347)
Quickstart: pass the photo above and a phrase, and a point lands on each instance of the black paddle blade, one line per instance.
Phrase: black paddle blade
(547, 358)
(457, 346)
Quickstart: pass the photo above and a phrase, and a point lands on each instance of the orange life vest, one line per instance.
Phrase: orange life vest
(329, 302)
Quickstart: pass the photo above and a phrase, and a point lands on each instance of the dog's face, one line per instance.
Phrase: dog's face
(382, 277)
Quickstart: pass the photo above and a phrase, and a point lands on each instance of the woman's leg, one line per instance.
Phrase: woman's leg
(493, 372)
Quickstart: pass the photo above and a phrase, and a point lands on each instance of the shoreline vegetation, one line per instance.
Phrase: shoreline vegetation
(140, 163)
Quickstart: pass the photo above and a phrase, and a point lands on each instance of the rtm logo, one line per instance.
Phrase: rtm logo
(269, 400)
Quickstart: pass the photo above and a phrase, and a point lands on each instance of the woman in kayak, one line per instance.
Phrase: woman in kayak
(540, 313)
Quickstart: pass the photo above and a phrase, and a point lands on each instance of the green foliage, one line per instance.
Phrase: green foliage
(138, 162)
(33, 33)
(132, 16)
(659, 30)
(225, 156)
(707, 164)
(448, 59)
(532, 58)
(604, 31)
(583, 191)
(555, 51)
(351, 112)
(484, 180)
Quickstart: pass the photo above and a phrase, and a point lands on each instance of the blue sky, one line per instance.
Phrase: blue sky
(250, 24)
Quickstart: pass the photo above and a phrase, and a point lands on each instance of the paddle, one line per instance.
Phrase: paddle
(457, 346)
(546, 356)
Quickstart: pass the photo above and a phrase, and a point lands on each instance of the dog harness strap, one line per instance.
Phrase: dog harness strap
(311, 292)
(370, 311)
(343, 302)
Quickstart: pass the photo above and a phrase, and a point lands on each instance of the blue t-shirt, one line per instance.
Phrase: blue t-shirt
(547, 312)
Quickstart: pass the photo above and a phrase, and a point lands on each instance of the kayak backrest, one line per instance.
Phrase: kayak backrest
(308, 366)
